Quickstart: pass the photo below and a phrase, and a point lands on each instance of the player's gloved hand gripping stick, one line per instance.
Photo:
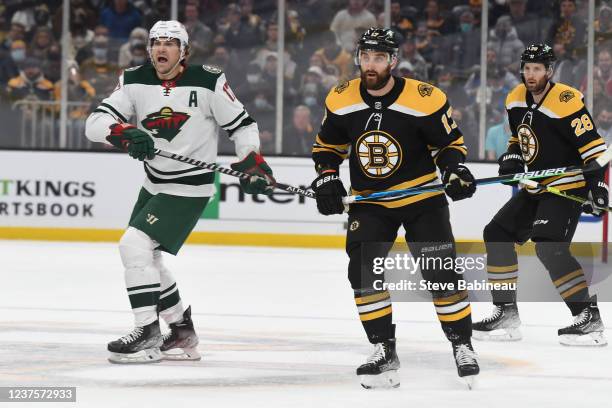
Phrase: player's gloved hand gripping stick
(597, 164)
(595, 209)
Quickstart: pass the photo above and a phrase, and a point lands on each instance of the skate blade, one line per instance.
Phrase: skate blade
(388, 379)
(594, 339)
(179, 354)
(513, 334)
(470, 381)
(141, 357)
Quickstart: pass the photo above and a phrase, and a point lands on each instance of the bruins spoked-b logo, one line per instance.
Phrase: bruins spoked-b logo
(379, 154)
(528, 142)
(566, 96)
(166, 123)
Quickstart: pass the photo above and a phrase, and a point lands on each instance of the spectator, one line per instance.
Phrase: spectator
(138, 51)
(17, 32)
(496, 142)
(603, 26)
(426, 44)
(270, 47)
(312, 92)
(81, 36)
(30, 83)
(565, 66)
(294, 37)
(86, 51)
(9, 62)
(240, 34)
(409, 53)
(247, 16)
(138, 35)
(476, 8)
(603, 120)
(159, 10)
(437, 24)
(121, 17)
(568, 29)
(98, 70)
(42, 41)
(81, 12)
(225, 60)
(315, 15)
(333, 54)
(527, 25)
(298, 137)
(349, 22)
(79, 90)
(399, 22)
(455, 92)
(200, 35)
(52, 66)
(462, 50)
(603, 71)
(504, 40)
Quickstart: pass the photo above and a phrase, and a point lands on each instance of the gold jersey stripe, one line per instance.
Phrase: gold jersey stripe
(568, 277)
(408, 184)
(375, 315)
(509, 280)
(446, 301)
(571, 291)
(594, 143)
(372, 298)
(324, 149)
(502, 269)
(331, 146)
(456, 316)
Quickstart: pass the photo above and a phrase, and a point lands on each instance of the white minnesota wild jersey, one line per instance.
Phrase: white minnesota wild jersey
(183, 116)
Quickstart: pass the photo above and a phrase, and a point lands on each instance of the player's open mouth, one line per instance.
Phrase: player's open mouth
(162, 59)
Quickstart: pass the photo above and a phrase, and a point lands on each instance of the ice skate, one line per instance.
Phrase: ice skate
(182, 341)
(503, 325)
(380, 370)
(138, 347)
(467, 364)
(587, 330)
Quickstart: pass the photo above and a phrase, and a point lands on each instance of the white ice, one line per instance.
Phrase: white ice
(278, 328)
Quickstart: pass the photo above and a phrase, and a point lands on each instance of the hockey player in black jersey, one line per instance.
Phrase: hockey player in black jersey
(551, 128)
(394, 131)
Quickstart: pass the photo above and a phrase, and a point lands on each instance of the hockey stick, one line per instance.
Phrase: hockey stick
(230, 172)
(555, 191)
(599, 163)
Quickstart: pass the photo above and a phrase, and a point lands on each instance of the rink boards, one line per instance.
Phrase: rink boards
(89, 197)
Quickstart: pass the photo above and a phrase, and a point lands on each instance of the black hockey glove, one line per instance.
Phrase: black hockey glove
(262, 181)
(598, 199)
(511, 163)
(329, 191)
(458, 182)
(138, 143)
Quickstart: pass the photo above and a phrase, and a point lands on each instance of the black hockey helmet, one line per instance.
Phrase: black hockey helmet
(539, 53)
(378, 39)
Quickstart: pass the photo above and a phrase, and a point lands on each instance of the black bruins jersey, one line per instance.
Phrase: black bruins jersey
(393, 142)
(557, 132)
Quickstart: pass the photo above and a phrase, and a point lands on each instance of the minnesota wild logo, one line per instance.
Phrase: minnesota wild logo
(166, 123)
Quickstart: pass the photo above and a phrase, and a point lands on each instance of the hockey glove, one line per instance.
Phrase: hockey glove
(510, 163)
(129, 138)
(261, 181)
(329, 191)
(598, 199)
(458, 182)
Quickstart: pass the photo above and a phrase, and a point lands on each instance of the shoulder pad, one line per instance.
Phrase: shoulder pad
(345, 98)
(517, 97)
(562, 101)
(420, 98)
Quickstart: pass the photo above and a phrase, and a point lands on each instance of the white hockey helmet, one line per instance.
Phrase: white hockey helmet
(169, 29)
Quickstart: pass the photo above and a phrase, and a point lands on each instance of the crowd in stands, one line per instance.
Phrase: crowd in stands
(440, 44)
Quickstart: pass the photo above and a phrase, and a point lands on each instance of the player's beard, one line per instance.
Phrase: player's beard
(377, 83)
(538, 87)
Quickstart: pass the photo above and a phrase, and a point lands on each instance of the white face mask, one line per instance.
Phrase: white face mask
(18, 55)
(252, 78)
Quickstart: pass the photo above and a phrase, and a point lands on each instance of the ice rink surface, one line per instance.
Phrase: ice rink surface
(277, 327)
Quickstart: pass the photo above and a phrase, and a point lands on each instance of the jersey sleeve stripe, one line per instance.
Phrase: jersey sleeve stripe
(597, 149)
(326, 150)
(115, 111)
(594, 143)
(228, 126)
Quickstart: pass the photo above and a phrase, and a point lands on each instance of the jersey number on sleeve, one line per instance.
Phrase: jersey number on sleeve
(582, 124)
(448, 122)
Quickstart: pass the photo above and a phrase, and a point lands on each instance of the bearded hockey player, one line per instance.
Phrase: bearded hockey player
(394, 131)
(551, 128)
(177, 108)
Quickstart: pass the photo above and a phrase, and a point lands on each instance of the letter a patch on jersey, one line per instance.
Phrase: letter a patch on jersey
(166, 123)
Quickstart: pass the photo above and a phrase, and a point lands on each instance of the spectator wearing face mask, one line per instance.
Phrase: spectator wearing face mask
(16, 32)
(138, 35)
(98, 70)
(312, 92)
(138, 50)
(506, 43)
(10, 60)
(30, 83)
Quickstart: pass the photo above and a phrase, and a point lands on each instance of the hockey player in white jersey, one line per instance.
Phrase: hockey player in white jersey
(177, 108)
